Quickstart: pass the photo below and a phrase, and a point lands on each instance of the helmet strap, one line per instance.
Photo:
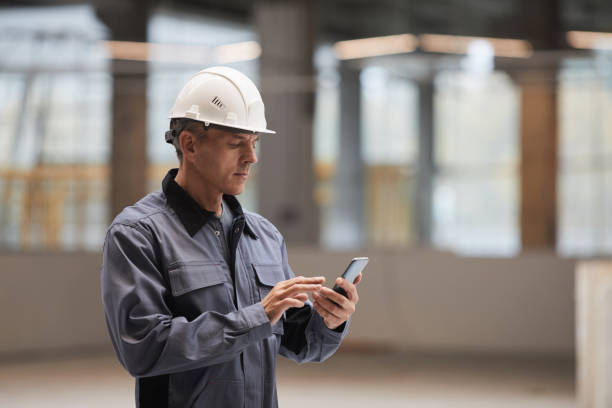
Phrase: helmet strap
(170, 135)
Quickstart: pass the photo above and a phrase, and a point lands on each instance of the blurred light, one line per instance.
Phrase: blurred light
(456, 44)
(242, 51)
(375, 46)
(180, 53)
(589, 40)
(480, 58)
(128, 50)
(325, 57)
(373, 78)
(183, 54)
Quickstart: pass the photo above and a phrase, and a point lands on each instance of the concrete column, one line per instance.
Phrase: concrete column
(127, 21)
(287, 32)
(540, 23)
(538, 170)
(425, 162)
(129, 145)
(348, 208)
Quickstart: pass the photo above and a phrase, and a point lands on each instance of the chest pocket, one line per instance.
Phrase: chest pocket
(200, 286)
(269, 275)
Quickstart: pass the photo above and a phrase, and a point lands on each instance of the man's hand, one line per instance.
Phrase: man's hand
(289, 293)
(335, 308)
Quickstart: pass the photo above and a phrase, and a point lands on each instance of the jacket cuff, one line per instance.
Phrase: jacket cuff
(258, 322)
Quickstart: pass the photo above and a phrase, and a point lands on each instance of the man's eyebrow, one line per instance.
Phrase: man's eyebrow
(241, 137)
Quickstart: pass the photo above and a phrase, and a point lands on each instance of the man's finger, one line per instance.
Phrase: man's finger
(291, 302)
(349, 288)
(334, 296)
(301, 288)
(302, 280)
(329, 306)
(301, 297)
(311, 280)
(329, 319)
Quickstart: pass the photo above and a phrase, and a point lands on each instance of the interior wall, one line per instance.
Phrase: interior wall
(432, 301)
(420, 300)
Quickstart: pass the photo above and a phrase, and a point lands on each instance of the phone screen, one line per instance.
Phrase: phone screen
(352, 271)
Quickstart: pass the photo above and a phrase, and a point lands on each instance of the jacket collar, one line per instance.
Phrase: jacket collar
(192, 216)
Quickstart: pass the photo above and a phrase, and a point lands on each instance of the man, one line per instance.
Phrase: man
(198, 294)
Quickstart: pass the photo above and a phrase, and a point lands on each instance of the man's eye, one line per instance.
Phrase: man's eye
(234, 145)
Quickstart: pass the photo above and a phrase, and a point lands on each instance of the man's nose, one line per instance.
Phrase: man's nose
(250, 155)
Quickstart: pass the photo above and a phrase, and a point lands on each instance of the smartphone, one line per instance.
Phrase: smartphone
(352, 271)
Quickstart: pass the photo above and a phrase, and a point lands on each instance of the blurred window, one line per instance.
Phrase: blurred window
(191, 43)
(389, 143)
(389, 138)
(585, 157)
(326, 139)
(54, 128)
(476, 145)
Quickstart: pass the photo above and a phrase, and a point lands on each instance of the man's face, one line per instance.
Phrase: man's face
(223, 159)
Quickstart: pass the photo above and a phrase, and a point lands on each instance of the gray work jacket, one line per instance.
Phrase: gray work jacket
(188, 322)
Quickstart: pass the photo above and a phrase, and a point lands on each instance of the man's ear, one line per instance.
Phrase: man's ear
(187, 142)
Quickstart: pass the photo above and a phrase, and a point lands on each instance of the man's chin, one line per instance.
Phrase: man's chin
(234, 190)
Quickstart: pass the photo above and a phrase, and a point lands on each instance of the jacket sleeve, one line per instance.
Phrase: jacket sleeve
(147, 338)
(306, 338)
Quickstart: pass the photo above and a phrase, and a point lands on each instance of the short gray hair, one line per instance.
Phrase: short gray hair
(177, 125)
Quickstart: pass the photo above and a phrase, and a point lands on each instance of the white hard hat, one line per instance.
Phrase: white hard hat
(222, 96)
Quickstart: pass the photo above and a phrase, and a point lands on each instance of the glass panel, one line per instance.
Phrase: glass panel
(585, 157)
(388, 140)
(390, 126)
(54, 119)
(476, 198)
(475, 214)
(326, 139)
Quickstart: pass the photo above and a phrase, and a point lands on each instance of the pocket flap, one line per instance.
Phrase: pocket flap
(188, 276)
(269, 275)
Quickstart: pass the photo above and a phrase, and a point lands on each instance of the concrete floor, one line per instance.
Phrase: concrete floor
(347, 380)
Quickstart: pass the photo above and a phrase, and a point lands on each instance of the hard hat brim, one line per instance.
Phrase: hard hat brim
(225, 125)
